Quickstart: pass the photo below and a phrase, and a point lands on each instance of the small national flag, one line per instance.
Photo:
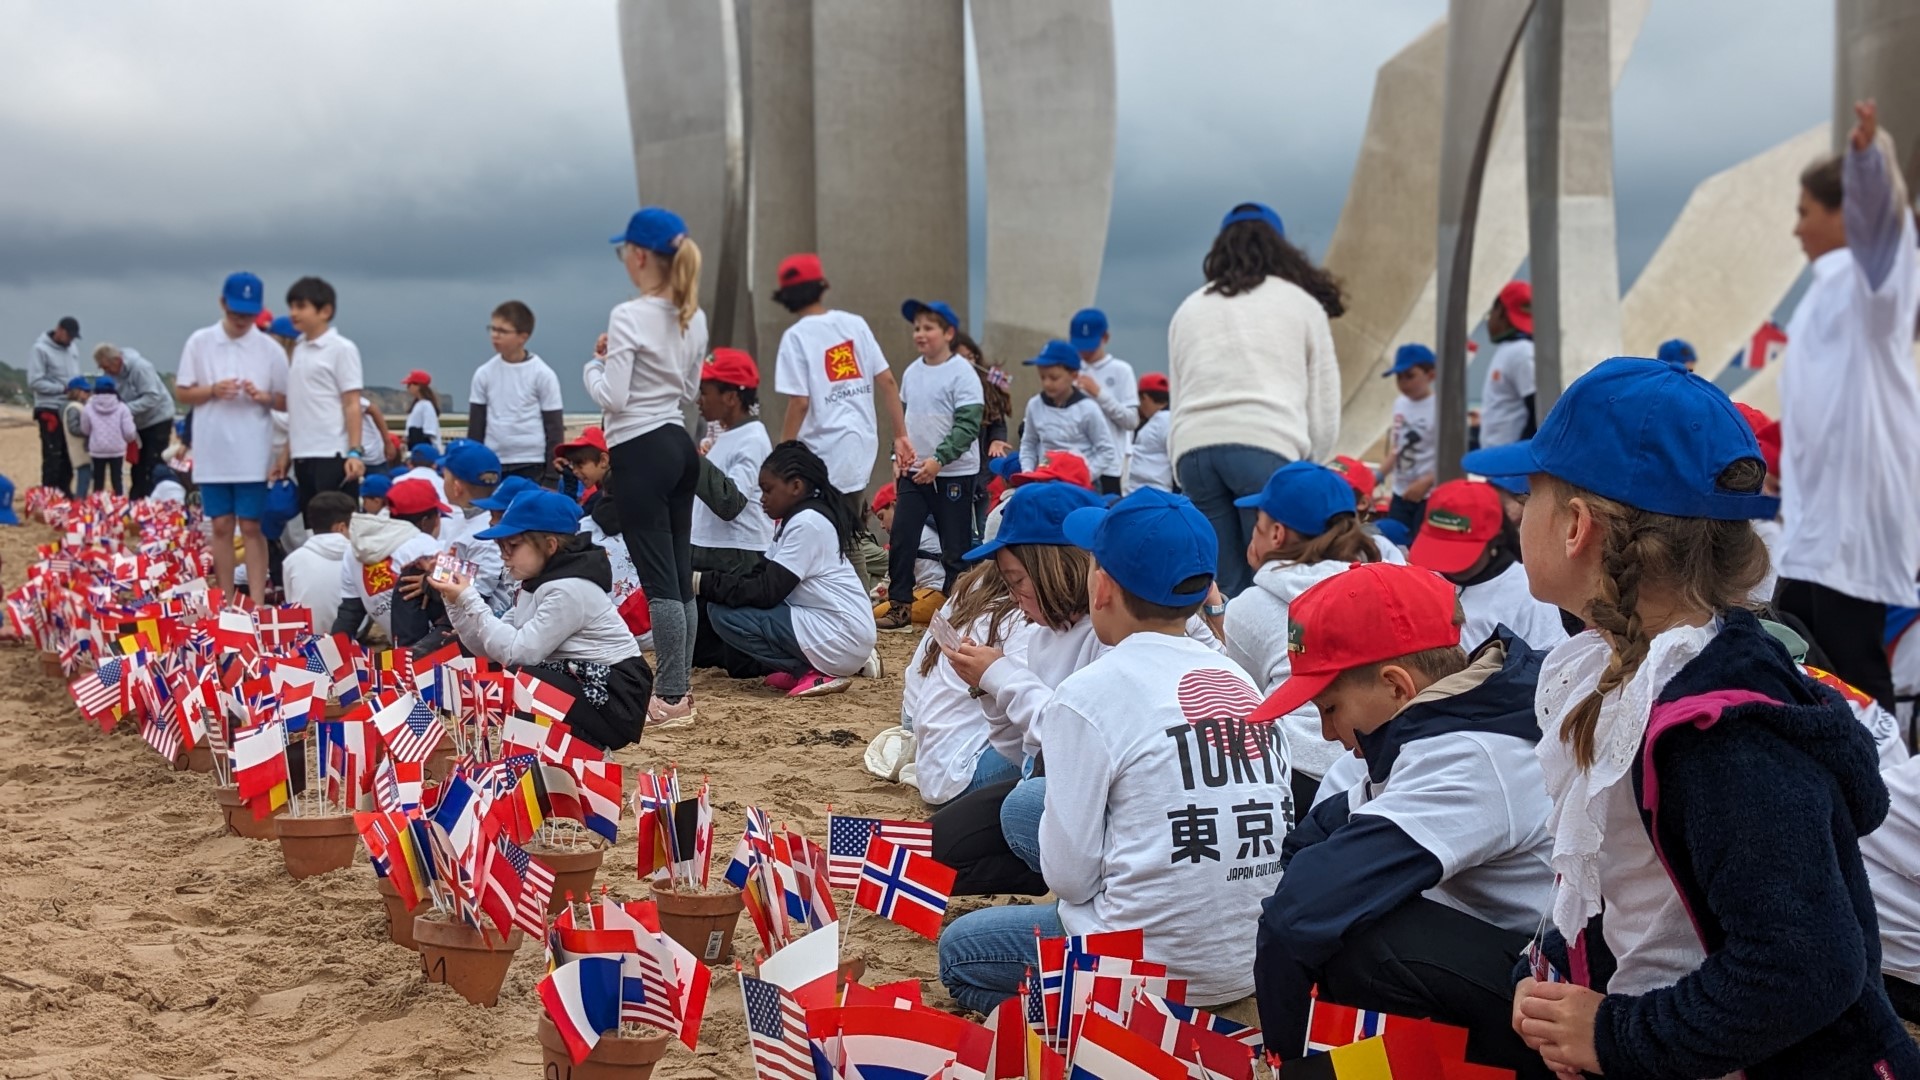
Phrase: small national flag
(284, 626)
(905, 886)
(536, 888)
(847, 843)
(1330, 1025)
(541, 699)
(776, 1032)
(1107, 1051)
(1766, 346)
(100, 693)
(411, 730)
(583, 1000)
(1201, 1018)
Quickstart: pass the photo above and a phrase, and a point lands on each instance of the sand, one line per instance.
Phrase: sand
(137, 940)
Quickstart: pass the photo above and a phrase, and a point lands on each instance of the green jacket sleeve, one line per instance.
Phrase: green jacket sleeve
(966, 429)
(719, 492)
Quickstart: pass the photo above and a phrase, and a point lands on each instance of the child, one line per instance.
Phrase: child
(1060, 465)
(1413, 443)
(1108, 380)
(1149, 465)
(313, 571)
(1165, 808)
(585, 462)
(1508, 411)
(513, 403)
(108, 425)
(373, 494)
(1892, 855)
(994, 386)
(929, 570)
(167, 487)
(382, 548)
(1305, 532)
(1062, 417)
(800, 617)
(952, 753)
(1467, 542)
(1709, 799)
(79, 389)
(943, 403)
(423, 420)
(326, 448)
(423, 463)
(563, 628)
(730, 530)
(1414, 892)
(1679, 353)
(472, 473)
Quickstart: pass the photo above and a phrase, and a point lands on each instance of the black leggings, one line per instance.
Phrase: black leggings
(1848, 629)
(56, 469)
(620, 721)
(949, 502)
(652, 480)
(967, 836)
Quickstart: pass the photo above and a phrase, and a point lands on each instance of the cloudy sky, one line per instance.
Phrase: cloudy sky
(435, 157)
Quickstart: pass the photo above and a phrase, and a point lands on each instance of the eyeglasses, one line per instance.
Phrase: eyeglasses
(501, 331)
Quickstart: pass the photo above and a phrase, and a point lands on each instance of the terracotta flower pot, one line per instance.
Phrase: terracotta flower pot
(474, 965)
(239, 816)
(399, 919)
(50, 666)
(315, 845)
(573, 872)
(613, 1057)
(852, 969)
(703, 923)
(200, 759)
(439, 763)
(333, 711)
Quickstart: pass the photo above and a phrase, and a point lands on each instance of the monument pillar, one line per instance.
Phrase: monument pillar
(1876, 45)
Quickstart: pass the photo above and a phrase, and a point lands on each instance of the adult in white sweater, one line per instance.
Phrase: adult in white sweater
(1251, 374)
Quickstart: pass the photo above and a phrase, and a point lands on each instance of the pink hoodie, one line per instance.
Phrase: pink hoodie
(108, 426)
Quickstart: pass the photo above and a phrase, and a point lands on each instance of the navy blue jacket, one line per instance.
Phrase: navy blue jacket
(1343, 874)
(1758, 820)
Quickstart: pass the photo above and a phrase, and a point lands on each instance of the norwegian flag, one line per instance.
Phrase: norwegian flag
(412, 731)
(776, 1032)
(539, 698)
(281, 627)
(905, 886)
(847, 838)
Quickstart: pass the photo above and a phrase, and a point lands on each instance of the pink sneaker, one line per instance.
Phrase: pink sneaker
(782, 682)
(820, 684)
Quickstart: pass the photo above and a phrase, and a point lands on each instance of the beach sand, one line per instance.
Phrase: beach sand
(138, 941)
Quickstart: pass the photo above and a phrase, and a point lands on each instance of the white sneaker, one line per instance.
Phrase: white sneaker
(874, 668)
(664, 717)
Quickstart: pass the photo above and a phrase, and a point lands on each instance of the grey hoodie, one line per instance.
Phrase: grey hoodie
(48, 370)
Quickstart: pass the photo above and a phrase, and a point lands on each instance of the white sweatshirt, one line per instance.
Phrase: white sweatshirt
(651, 370)
(949, 724)
(1256, 370)
(1256, 627)
(568, 619)
(312, 574)
(1018, 689)
(1163, 810)
(1078, 427)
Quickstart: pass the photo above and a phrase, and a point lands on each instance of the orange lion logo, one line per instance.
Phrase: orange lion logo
(841, 363)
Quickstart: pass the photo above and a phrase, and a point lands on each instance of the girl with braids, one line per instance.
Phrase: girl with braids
(1712, 913)
(799, 616)
(645, 369)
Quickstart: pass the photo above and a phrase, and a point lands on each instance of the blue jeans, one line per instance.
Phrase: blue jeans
(1020, 819)
(82, 480)
(984, 954)
(765, 634)
(991, 768)
(1214, 476)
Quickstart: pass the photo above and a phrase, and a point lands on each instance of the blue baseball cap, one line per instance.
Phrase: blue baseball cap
(423, 453)
(7, 516)
(503, 495)
(471, 463)
(1150, 542)
(1642, 432)
(1395, 531)
(654, 228)
(243, 293)
(80, 382)
(1253, 211)
(282, 326)
(105, 385)
(912, 309)
(1005, 466)
(1303, 497)
(1057, 354)
(1034, 514)
(1512, 485)
(1410, 356)
(1677, 352)
(375, 485)
(536, 511)
(1088, 329)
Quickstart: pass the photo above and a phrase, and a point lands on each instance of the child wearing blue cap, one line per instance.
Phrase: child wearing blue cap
(1165, 807)
(563, 627)
(1413, 446)
(944, 405)
(108, 425)
(952, 754)
(1108, 380)
(1305, 531)
(373, 494)
(1712, 913)
(1063, 417)
(79, 389)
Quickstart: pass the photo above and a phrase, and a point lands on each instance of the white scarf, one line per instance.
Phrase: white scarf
(1578, 820)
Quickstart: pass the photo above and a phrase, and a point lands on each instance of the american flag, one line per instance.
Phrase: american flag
(99, 692)
(412, 734)
(647, 995)
(161, 733)
(536, 888)
(847, 839)
(776, 1032)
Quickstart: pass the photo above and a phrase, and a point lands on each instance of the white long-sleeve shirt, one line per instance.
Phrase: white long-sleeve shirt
(1256, 370)
(1078, 427)
(1148, 464)
(568, 619)
(651, 370)
(950, 725)
(1119, 402)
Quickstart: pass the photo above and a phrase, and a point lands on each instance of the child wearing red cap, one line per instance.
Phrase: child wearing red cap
(1149, 464)
(1507, 411)
(423, 419)
(583, 465)
(382, 548)
(1415, 891)
(1766, 431)
(730, 530)
(929, 570)
(1466, 541)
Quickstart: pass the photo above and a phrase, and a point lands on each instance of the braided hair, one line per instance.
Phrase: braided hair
(793, 461)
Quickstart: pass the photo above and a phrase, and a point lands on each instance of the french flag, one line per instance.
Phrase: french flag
(583, 1000)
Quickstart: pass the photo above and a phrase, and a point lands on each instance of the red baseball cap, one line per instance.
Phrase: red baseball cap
(1356, 473)
(885, 497)
(800, 269)
(1058, 465)
(1516, 299)
(1364, 615)
(1462, 516)
(591, 439)
(264, 319)
(1155, 382)
(1766, 431)
(732, 367)
(409, 497)
(416, 377)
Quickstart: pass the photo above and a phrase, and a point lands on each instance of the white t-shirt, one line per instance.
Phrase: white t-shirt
(232, 437)
(423, 416)
(1119, 402)
(1892, 854)
(323, 369)
(1148, 465)
(737, 452)
(1503, 397)
(373, 441)
(1415, 439)
(515, 396)
(372, 583)
(832, 618)
(313, 575)
(1165, 810)
(1508, 599)
(932, 394)
(831, 360)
